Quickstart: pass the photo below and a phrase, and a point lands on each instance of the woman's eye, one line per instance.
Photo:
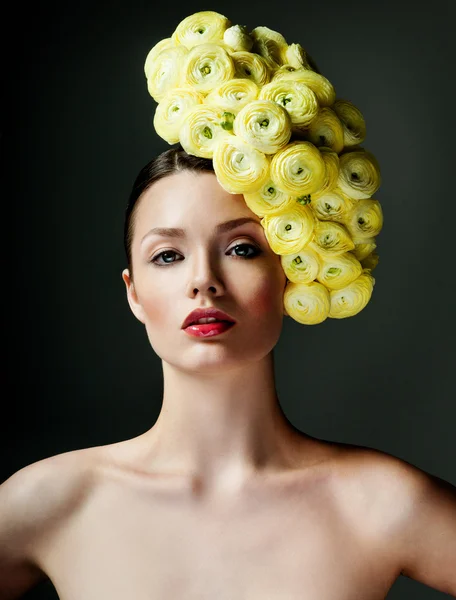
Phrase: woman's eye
(164, 254)
(167, 253)
(255, 249)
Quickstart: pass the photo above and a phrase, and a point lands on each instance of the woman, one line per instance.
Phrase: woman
(223, 497)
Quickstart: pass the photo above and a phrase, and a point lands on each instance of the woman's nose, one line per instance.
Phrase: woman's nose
(204, 275)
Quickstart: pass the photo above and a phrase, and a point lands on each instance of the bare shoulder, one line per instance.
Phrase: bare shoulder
(381, 487)
(403, 511)
(34, 502)
(36, 498)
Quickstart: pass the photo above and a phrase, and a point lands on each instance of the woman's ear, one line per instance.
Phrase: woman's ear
(132, 297)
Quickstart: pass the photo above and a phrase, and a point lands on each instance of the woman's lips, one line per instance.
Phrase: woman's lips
(208, 329)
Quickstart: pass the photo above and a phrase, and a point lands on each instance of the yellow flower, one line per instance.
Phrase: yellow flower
(296, 98)
(302, 266)
(331, 160)
(331, 207)
(207, 66)
(240, 168)
(202, 130)
(338, 271)
(289, 231)
(248, 65)
(365, 220)
(351, 299)
(331, 239)
(202, 27)
(296, 57)
(320, 85)
(238, 38)
(233, 95)
(352, 120)
(307, 303)
(171, 111)
(268, 200)
(165, 71)
(298, 169)
(326, 130)
(371, 261)
(264, 125)
(269, 44)
(359, 173)
(154, 52)
(363, 248)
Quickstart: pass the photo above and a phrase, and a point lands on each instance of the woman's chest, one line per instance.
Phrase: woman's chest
(163, 548)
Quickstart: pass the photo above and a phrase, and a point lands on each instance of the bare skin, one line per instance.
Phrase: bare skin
(222, 498)
(295, 532)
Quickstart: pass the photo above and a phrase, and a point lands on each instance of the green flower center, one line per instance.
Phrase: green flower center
(207, 132)
(227, 121)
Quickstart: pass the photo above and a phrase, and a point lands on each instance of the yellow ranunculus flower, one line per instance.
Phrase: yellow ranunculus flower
(371, 261)
(202, 130)
(289, 231)
(296, 98)
(351, 299)
(326, 130)
(233, 95)
(269, 44)
(365, 219)
(331, 160)
(240, 168)
(270, 121)
(154, 52)
(171, 111)
(307, 303)
(331, 207)
(238, 39)
(338, 271)
(298, 169)
(296, 57)
(268, 200)
(165, 71)
(302, 266)
(202, 27)
(319, 84)
(363, 247)
(248, 65)
(352, 121)
(331, 239)
(359, 173)
(264, 125)
(207, 66)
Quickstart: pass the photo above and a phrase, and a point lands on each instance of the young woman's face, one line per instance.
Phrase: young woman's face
(235, 271)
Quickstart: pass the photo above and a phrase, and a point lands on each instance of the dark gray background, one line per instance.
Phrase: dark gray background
(77, 129)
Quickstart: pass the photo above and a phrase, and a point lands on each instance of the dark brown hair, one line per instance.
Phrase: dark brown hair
(168, 162)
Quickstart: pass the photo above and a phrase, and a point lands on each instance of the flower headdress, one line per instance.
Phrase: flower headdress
(276, 133)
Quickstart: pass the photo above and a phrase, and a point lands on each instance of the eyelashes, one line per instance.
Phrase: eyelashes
(256, 252)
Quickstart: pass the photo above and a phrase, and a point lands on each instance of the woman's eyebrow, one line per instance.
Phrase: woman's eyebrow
(180, 233)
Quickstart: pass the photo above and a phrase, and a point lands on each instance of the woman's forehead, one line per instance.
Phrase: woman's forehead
(183, 198)
(193, 202)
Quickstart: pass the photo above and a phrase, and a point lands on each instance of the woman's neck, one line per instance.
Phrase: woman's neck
(221, 428)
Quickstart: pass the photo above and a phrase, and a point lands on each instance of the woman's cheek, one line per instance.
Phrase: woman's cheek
(266, 298)
(154, 305)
